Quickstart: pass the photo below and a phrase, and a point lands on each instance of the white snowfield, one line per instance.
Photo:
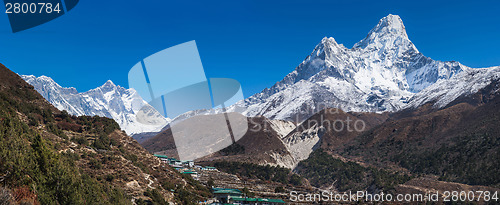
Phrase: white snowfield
(109, 100)
(468, 82)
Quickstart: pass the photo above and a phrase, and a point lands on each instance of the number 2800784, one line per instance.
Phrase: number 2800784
(31, 8)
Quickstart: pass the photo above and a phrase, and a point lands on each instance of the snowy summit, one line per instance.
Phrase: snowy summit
(382, 72)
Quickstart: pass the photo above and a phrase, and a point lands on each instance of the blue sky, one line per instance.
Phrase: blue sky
(254, 42)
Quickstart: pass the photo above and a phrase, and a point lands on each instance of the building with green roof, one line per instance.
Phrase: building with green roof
(161, 156)
(255, 201)
(224, 195)
(235, 196)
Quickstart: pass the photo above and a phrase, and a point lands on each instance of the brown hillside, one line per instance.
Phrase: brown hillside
(65, 159)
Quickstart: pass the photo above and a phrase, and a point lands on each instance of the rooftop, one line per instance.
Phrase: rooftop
(257, 200)
(161, 156)
(226, 191)
(190, 172)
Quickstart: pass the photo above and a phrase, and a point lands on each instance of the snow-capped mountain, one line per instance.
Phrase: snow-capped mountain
(379, 73)
(382, 72)
(468, 82)
(109, 100)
